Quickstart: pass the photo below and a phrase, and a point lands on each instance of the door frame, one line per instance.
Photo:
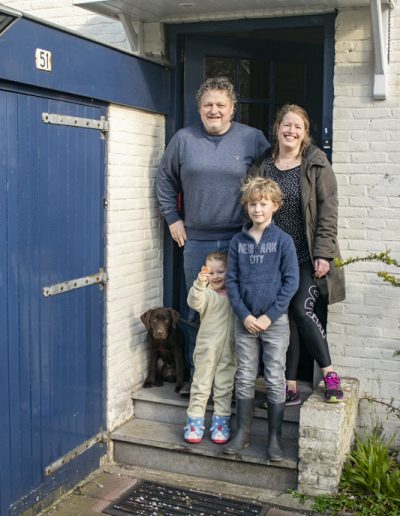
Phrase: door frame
(176, 51)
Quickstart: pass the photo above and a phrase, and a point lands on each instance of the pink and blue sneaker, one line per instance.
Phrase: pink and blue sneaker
(220, 431)
(194, 430)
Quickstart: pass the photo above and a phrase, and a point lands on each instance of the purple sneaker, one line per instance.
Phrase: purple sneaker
(292, 398)
(333, 392)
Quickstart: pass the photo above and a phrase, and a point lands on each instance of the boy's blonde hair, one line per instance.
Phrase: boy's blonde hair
(220, 256)
(257, 188)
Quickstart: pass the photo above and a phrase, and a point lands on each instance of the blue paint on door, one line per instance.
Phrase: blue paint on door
(51, 349)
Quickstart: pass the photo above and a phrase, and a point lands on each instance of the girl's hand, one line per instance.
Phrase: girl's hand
(203, 274)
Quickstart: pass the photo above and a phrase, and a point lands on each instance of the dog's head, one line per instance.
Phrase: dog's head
(160, 321)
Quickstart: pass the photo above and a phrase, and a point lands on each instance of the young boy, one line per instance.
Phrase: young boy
(262, 277)
(214, 355)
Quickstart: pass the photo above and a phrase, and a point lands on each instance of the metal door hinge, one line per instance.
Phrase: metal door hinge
(75, 121)
(99, 278)
(101, 437)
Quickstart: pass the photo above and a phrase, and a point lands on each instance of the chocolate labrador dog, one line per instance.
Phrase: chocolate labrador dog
(166, 347)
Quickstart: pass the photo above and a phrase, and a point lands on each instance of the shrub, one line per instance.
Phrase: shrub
(370, 483)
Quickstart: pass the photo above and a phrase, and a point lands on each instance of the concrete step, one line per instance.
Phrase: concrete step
(165, 405)
(160, 445)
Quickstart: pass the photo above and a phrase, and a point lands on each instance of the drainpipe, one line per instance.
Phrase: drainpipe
(379, 18)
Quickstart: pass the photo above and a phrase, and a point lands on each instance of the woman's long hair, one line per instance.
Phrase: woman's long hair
(291, 108)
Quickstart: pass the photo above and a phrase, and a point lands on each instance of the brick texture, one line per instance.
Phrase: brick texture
(326, 433)
(364, 331)
(134, 251)
(64, 13)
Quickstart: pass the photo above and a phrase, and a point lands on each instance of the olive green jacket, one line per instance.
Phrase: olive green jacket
(320, 211)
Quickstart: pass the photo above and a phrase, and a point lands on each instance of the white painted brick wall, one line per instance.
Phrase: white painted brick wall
(64, 13)
(365, 330)
(90, 25)
(325, 436)
(134, 251)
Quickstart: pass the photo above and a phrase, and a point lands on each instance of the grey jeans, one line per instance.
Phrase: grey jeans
(274, 342)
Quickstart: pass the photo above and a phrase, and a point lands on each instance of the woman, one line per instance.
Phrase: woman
(207, 162)
(309, 214)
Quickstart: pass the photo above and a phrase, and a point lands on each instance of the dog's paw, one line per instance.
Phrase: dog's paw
(178, 388)
(147, 384)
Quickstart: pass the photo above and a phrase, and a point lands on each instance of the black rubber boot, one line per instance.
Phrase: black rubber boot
(244, 418)
(275, 418)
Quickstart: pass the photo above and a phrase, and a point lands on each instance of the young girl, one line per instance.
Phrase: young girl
(214, 358)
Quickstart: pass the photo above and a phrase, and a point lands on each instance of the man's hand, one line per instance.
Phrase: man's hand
(178, 232)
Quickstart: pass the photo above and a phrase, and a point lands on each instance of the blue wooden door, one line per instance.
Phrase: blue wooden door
(51, 348)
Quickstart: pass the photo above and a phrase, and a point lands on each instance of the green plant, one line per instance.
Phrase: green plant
(383, 257)
(372, 469)
(370, 483)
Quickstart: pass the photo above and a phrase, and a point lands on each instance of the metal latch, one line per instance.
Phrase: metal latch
(101, 437)
(59, 288)
(75, 121)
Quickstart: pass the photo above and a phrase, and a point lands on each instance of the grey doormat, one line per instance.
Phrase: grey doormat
(151, 499)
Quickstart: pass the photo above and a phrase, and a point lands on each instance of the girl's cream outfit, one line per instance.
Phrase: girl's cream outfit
(214, 356)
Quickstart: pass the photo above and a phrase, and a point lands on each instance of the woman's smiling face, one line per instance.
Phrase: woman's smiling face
(291, 132)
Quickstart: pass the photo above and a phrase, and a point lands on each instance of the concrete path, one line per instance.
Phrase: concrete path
(107, 484)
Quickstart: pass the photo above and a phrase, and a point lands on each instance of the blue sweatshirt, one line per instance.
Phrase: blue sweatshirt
(209, 171)
(262, 278)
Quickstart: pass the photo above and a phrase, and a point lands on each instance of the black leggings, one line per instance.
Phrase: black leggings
(308, 318)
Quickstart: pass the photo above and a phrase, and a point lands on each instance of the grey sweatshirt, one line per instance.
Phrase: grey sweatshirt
(208, 170)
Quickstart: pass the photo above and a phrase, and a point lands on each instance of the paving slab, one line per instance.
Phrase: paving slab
(94, 494)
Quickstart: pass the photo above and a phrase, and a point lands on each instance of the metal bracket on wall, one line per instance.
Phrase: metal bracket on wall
(59, 288)
(380, 19)
(75, 121)
(101, 437)
(134, 33)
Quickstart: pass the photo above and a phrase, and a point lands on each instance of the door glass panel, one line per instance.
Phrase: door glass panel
(254, 79)
(220, 67)
(290, 83)
(255, 115)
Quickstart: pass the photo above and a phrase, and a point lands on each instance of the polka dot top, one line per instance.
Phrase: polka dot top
(289, 217)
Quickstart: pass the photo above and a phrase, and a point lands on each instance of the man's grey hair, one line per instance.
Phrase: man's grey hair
(217, 83)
